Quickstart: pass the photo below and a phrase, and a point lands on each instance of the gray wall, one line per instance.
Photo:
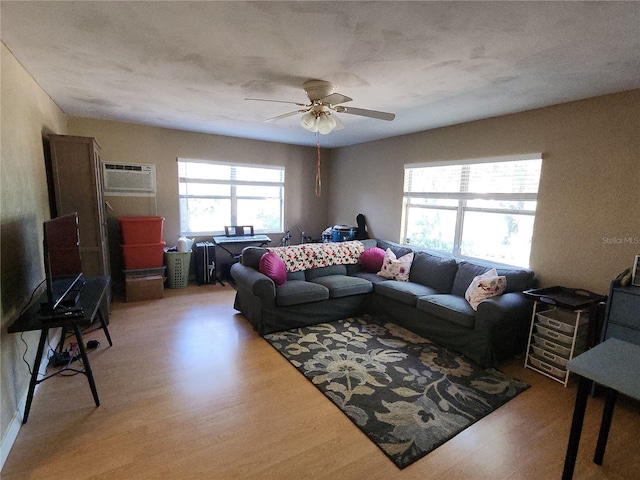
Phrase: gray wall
(121, 142)
(587, 227)
(27, 114)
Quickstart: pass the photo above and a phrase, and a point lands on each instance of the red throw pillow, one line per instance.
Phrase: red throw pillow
(273, 267)
(371, 259)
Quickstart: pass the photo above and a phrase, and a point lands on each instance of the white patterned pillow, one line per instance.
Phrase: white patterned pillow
(487, 285)
(396, 268)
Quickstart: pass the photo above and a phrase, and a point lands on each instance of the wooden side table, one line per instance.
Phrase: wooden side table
(614, 364)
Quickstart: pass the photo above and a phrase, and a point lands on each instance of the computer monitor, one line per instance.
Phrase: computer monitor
(62, 264)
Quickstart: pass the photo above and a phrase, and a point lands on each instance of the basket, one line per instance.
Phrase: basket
(550, 346)
(557, 372)
(560, 320)
(178, 269)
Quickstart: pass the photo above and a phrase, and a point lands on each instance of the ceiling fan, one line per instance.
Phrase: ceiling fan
(324, 102)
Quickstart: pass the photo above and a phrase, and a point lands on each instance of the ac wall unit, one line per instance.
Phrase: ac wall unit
(128, 179)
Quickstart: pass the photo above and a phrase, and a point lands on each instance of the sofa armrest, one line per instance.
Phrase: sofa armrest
(508, 318)
(252, 280)
(510, 306)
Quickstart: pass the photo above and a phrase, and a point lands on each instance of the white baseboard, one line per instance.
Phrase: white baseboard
(16, 422)
(12, 432)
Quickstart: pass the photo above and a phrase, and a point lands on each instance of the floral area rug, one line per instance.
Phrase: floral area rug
(407, 394)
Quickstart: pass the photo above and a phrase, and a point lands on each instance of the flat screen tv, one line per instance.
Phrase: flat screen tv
(62, 262)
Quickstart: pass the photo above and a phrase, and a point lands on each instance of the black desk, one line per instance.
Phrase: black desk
(614, 364)
(92, 298)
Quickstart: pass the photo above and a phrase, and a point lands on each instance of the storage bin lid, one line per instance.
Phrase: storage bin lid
(140, 219)
(344, 228)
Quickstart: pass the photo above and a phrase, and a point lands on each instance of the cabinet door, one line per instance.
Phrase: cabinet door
(101, 211)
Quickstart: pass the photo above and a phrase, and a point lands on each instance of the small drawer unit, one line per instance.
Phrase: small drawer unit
(559, 329)
(557, 336)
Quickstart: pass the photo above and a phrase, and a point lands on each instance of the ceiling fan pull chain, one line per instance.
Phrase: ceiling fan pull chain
(318, 175)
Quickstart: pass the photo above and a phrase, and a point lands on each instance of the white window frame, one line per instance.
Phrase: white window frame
(233, 183)
(462, 196)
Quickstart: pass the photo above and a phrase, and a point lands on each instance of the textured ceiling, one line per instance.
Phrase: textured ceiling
(189, 65)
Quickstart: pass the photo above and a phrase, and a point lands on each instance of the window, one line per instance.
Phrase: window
(482, 208)
(216, 194)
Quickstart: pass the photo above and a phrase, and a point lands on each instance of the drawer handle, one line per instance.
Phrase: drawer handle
(553, 323)
(546, 367)
(549, 355)
(553, 334)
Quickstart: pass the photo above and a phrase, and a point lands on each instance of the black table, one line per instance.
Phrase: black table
(93, 302)
(614, 364)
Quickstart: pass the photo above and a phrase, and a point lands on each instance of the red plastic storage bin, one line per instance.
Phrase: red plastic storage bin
(150, 255)
(141, 230)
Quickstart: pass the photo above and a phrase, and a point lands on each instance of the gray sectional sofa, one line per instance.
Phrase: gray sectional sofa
(431, 303)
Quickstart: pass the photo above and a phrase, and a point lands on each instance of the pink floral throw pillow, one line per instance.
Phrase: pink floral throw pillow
(487, 285)
(371, 259)
(396, 268)
(273, 267)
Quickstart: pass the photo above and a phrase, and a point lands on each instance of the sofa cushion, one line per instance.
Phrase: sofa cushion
(295, 276)
(369, 242)
(484, 286)
(295, 292)
(464, 276)
(399, 250)
(343, 286)
(353, 269)
(433, 271)
(251, 256)
(372, 277)
(396, 268)
(273, 267)
(313, 273)
(371, 259)
(452, 308)
(518, 279)
(403, 292)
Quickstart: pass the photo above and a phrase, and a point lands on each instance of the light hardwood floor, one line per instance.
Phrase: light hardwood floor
(190, 391)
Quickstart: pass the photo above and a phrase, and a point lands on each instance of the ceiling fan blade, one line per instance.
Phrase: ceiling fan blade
(284, 115)
(278, 101)
(335, 99)
(368, 113)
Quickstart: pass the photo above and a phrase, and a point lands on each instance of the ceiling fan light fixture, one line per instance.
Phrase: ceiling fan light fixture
(325, 124)
(332, 119)
(318, 116)
(309, 121)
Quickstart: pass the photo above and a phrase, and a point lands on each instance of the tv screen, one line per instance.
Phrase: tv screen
(62, 260)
